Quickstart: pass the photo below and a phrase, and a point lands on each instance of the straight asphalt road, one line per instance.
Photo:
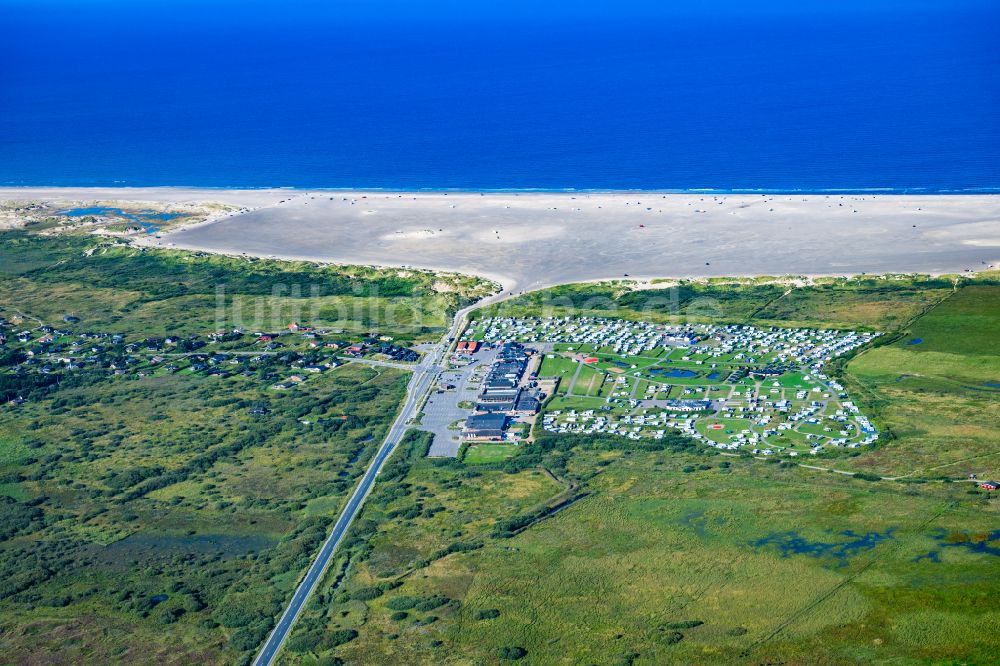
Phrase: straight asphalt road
(420, 385)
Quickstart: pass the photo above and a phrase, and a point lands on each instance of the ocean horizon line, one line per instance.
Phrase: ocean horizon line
(528, 190)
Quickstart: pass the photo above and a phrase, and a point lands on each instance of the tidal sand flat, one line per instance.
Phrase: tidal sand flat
(532, 240)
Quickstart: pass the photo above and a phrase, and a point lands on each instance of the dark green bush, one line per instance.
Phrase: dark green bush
(686, 624)
(402, 603)
(366, 594)
(512, 653)
(430, 603)
(339, 637)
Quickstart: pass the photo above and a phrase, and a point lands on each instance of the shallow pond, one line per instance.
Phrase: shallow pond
(674, 372)
(986, 543)
(143, 218)
(851, 544)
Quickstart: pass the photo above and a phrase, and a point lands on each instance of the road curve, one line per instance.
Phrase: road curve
(419, 386)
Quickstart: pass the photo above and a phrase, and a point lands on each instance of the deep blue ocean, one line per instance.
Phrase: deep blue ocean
(786, 96)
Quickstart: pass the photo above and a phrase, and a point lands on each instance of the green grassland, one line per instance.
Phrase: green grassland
(670, 553)
(616, 574)
(423, 511)
(939, 398)
(117, 288)
(873, 302)
(482, 454)
(559, 367)
(667, 557)
(687, 301)
(588, 382)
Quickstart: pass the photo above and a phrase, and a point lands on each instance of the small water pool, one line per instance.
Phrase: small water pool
(144, 218)
(678, 373)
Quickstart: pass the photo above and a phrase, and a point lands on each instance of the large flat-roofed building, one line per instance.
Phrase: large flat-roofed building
(508, 369)
(501, 391)
(527, 404)
(496, 407)
(513, 351)
(499, 394)
(497, 383)
(485, 426)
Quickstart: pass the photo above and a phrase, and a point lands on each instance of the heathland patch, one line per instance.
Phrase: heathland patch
(168, 471)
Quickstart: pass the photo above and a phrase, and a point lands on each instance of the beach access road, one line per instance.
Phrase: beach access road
(419, 384)
(424, 376)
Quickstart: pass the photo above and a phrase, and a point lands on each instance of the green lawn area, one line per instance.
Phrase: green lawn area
(717, 391)
(788, 438)
(574, 348)
(644, 386)
(489, 453)
(589, 382)
(795, 380)
(560, 367)
(820, 428)
(555, 365)
(579, 403)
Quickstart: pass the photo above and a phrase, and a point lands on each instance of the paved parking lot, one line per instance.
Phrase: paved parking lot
(442, 409)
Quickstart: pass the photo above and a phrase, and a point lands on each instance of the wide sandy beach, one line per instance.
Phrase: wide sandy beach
(531, 240)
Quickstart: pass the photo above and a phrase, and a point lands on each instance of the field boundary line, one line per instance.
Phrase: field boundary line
(753, 315)
(839, 586)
